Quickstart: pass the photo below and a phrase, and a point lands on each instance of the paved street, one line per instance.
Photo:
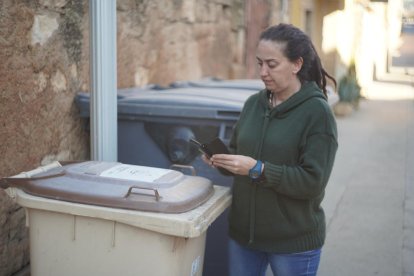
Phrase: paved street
(369, 202)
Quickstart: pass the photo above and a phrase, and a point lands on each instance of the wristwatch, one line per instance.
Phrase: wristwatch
(256, 171)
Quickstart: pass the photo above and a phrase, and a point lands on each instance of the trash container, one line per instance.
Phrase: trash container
(103, 218)
(248, 84)
(155, 125)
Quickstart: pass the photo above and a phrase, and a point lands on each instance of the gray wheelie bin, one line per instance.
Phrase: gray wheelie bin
(248, 84)
(155, 125)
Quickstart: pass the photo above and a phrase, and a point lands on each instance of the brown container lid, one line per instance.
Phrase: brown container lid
(118, 185)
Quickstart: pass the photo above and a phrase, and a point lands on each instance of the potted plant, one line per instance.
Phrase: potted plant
(349, 92)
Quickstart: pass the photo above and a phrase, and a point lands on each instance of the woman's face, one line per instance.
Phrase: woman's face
(276, 71)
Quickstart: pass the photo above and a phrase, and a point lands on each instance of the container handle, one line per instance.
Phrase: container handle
(183, 167)
(156, 194)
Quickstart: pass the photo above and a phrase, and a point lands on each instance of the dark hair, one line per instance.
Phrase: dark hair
(298, 45)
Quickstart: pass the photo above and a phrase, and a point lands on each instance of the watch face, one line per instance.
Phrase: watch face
(256, 171)
(254, 174)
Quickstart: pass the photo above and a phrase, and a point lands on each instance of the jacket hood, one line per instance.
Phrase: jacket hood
(308, 91)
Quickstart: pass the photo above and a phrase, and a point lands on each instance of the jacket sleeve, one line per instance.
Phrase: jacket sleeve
(308, 179)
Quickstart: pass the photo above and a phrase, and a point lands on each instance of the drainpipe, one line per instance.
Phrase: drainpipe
(103, 80)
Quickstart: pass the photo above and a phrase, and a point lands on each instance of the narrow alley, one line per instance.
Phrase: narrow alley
(369, 202)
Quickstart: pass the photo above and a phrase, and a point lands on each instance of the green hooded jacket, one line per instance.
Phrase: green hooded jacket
(297, 141)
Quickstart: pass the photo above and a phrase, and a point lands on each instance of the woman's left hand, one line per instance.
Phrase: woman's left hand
(237, 164)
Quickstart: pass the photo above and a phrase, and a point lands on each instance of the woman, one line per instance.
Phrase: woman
(284, 147)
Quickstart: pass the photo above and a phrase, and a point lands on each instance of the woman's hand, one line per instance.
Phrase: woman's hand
(206, 160)
(237, 164)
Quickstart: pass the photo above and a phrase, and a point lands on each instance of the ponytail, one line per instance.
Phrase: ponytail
(319, 75)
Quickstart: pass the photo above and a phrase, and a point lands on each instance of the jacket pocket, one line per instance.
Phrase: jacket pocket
(281, 217)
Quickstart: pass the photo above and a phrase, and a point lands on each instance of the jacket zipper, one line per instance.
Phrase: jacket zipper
(258, 154)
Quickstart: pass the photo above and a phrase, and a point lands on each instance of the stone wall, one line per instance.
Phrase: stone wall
(44, 46)
(162, 41)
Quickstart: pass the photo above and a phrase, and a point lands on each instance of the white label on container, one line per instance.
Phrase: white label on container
(195, 266)
(133, 172)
